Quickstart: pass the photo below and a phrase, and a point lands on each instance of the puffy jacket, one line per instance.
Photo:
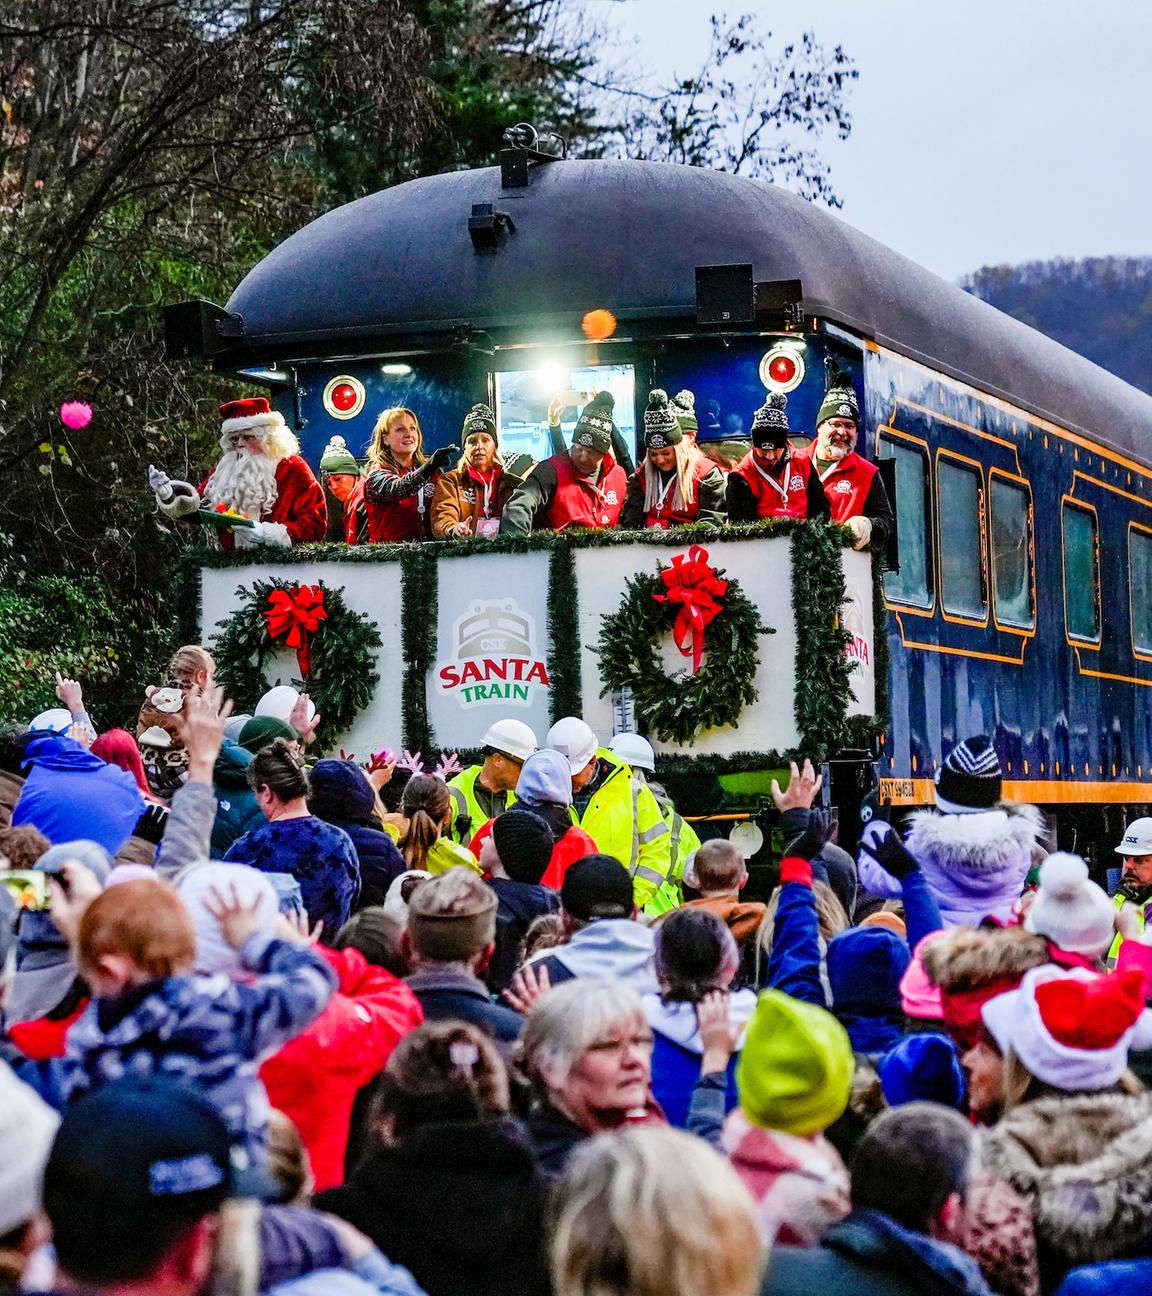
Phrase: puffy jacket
(460, 497)
(343, 797)
(468, 815)
(1118, 1276)
(574, 845)
(237, 810)
(626, 822)
(314, 1078)
(69, 794)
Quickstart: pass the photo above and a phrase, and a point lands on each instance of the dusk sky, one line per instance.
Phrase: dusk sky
(985, 132)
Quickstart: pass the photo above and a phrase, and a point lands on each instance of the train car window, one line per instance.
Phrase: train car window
(961, 523)
(1140, 587)
(523, 396)
(912, 583)
(1081, 573)
(1012, 552)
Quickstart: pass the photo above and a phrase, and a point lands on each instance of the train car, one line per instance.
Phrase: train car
(1019, 600)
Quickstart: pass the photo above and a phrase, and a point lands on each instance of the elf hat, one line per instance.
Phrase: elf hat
(479, 419)
(594, 427)
(1073, 912)
(337, 459)
(770, 423)
(249, 415)
(684, 407)
(795, 1070)
(969, 780)
(1071, 1028)
(839, 395)
(661, 428)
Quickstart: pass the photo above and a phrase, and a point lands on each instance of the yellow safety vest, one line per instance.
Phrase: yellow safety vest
(467, 815)
(683, 844)
(1114, 953)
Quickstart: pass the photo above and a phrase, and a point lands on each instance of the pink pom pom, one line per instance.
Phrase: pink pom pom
(76, 414)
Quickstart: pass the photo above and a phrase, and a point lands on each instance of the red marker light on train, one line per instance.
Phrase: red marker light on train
(782, 368)
(344, 396)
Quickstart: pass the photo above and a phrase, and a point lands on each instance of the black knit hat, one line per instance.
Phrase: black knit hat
(524, 843)
(479, 419)
(661, 427)
(969, 780)
(839, 396)
(684, 407)
(597, 886)
(594, 427)
(770, 423)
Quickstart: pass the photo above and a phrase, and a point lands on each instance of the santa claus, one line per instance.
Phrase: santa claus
(260, 474)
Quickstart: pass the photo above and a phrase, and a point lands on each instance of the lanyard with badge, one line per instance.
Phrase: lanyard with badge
(659, 522)
(486, 525)
(776, 486)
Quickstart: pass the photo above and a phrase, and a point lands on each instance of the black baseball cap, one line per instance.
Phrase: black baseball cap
(597, 886)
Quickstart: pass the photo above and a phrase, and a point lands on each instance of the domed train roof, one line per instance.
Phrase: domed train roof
(628, 236)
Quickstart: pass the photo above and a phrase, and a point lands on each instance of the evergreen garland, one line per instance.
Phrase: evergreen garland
(677, 710)
(822, 687)
(343, 673)
(564, 682)
(419, 597)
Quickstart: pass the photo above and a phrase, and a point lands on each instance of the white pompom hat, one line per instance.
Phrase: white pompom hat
(1071, 910)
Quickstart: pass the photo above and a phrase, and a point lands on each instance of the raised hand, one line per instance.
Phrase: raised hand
(528, 985)
(70, 694)
(299, 721)
(202, 729)
(803, 785)
(716, 1033)
(238, 920)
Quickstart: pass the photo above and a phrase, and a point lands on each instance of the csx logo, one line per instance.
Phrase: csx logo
(843, 488)
(494, 643)
(796, 483)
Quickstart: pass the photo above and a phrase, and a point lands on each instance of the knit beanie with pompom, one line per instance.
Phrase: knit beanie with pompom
(1072, 911)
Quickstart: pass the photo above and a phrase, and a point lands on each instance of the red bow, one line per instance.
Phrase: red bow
(691, 581)
(295, 615)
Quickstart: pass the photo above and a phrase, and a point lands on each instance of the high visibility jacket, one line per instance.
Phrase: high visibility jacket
(467, 815)
(683, 844)
(628, 824)
(1114, 952)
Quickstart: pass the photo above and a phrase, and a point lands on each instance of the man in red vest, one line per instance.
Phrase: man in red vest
(580, 487)
(260, 474)
(770, 481)
(854, 487)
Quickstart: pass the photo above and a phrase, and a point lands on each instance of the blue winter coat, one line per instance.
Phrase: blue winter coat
(1114, 1278)
(237, 810)
(865, 965)
(342, 796)
(70, 795)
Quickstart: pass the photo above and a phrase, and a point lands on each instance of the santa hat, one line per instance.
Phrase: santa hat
(770, 423)
(250, 415)
(1072, 1028)
(969, 780)
(1073, 912)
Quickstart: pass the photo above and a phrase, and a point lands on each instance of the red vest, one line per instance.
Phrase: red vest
(402, 519)
(354, 507)
(785, 495)
(664, 516)
(578, 503)
(846, 483)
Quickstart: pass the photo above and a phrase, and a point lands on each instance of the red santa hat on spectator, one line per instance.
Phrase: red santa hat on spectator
(1072, 1028)
(255, 414)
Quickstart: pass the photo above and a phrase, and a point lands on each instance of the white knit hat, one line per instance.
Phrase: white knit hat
(195, 887)
(27, 1127)
(1070, 910)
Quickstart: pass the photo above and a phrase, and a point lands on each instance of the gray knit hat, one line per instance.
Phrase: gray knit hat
(684, 407)
(479, 419)
(661, 427)
(770, 423)
(594, 427)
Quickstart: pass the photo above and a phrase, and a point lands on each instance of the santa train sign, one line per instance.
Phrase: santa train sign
(495, 658)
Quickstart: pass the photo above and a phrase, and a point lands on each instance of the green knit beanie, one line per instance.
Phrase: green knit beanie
(337, 458)
(839, 395)
(684, 407)
(262, 731)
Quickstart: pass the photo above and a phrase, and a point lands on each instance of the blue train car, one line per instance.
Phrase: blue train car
(1020, 600)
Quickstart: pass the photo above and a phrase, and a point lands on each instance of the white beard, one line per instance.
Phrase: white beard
(245, 481)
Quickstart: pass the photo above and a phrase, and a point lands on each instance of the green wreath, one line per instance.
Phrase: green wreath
(341, 653)
(677, 709)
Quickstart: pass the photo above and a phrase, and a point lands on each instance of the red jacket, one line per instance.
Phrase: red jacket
(406, 518)
(314, 1079)
(577, 502)
(44, 1037)
(777, 495)
(665, 515)
(355, 516)
(574, 845)
(299, 507)
(846, 483)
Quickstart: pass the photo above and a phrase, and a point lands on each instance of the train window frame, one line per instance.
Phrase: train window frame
(1090, 643)
(966, 464)
(1026, 629)
(906, 441)
(1141, 654)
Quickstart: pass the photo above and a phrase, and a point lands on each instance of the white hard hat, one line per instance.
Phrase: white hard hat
(56, 719)
(510, 738)
(574, 740)
(634, 750)
(1137, 838)
(279, 701)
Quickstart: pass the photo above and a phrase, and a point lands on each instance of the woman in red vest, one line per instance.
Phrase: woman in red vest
(401, 478)
(770, 481)
(674, 484)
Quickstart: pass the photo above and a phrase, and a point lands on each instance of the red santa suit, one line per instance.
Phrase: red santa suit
(300, 508)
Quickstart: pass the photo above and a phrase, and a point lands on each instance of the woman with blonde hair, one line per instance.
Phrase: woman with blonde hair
(401, 479)
(653, 1212)
(674, 484)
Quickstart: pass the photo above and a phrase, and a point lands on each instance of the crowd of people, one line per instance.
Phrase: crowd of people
(277, 1023)
(687, 474)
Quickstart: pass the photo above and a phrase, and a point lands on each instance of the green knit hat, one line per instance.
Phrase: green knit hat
(661, 427)
(479, 419)
(684, 407)
(337, 458)
(839, 395)
(262, 731)
(795, 1070)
